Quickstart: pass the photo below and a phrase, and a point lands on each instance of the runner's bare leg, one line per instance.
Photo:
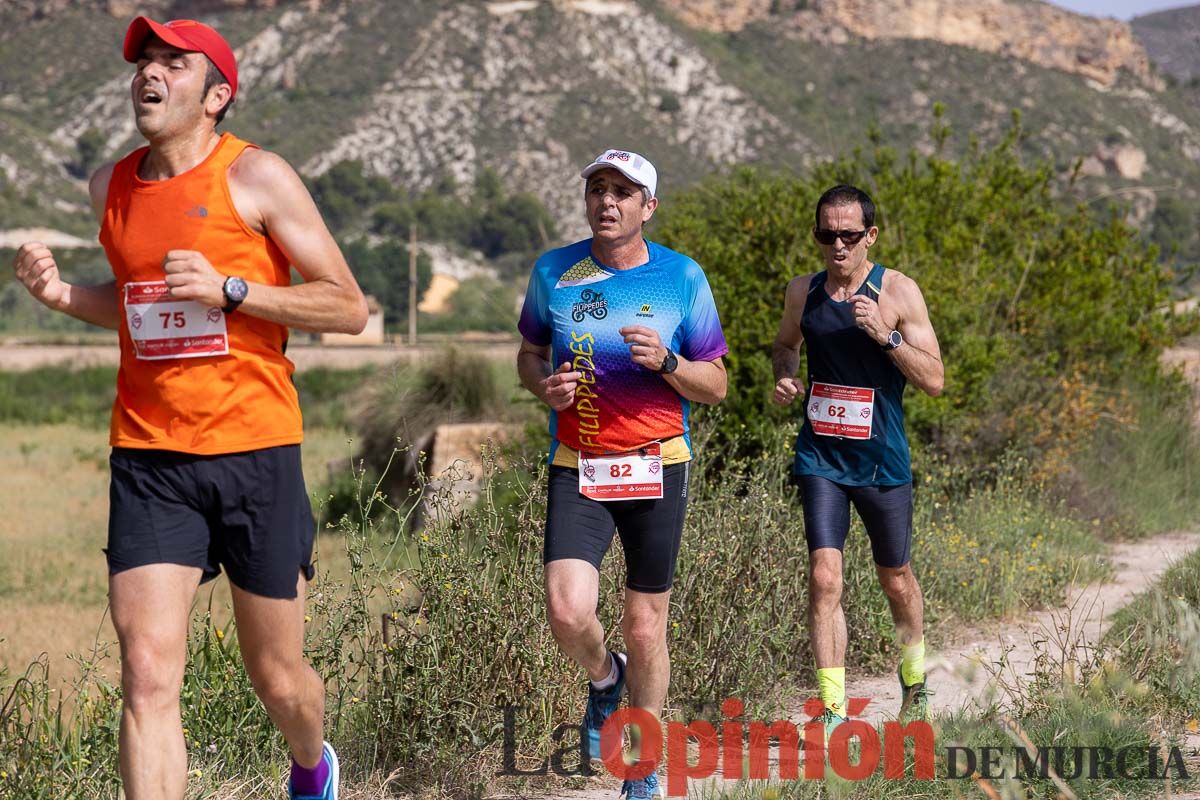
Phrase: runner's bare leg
(151, 606)
(271, 635)
(645, 629)
(572, 592)
(826, 620)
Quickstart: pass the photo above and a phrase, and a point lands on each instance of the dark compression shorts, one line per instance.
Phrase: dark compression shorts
(886, 512)
(580, 527)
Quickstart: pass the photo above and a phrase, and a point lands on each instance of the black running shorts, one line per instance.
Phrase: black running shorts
(650, 530)
(247, 512)
(886, 512)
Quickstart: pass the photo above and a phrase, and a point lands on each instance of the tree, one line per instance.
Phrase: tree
(382, 271)
(1028, 295)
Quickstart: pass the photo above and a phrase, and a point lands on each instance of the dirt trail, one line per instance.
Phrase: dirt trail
(954, 673)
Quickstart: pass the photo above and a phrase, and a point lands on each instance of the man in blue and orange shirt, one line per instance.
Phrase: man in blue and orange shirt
(201, 230)
(620, 336)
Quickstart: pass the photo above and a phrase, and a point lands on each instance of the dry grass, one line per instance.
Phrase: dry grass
(54, 503)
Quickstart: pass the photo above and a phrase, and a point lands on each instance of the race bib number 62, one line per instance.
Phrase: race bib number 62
(845, 411)
(162, 327)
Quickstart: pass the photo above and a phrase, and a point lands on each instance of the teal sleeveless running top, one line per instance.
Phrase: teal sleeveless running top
(853, 430)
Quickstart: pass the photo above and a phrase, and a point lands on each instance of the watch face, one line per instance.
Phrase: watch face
(895, 339)
(236, 289)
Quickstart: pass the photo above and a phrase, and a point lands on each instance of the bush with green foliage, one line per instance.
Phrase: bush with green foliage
(1175, 229)
(343, 192)
(1024, 293)
(84, 397)
(90, 147)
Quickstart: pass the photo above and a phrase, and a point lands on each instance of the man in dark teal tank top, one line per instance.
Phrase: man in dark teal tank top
(868, 334)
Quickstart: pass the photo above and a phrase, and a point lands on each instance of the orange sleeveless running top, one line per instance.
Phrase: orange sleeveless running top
(193, 379)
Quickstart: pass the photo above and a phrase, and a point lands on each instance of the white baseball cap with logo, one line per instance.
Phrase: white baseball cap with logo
(631, 165)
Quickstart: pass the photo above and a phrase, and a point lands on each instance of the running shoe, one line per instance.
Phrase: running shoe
(645, 788)
(331, 783)
(830, 719)
(601, 705)
(914, 700)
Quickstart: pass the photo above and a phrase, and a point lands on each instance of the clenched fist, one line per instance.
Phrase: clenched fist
(868, 318)
(787, 390)
(560, 387)
(36, 268)
(645, 346)
(191, 277)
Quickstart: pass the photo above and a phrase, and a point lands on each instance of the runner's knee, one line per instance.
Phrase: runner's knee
(276, 684)
(825, 584)
(568, 616)
(644, 628)
(898, 584)
(151, 676)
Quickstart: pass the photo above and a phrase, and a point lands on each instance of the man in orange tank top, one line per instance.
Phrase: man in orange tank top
(201, 230)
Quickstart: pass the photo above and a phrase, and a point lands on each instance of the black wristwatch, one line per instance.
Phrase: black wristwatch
(894, 340)
(235, 290)
(669, 364)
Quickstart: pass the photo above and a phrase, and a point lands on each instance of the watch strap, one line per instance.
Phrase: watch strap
(669, 364)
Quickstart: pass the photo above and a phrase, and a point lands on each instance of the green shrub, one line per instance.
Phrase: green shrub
(1140, 471)
(1023, 292)
(1158, 640)
(49, 395)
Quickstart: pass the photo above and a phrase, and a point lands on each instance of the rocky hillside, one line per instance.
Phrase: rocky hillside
(1172, 40)
(423, 90)
(1100, 49)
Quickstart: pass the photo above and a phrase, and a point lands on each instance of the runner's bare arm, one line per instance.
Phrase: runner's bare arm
(785, 352)
(555, 388)
(272, 200)
(698, 381)
(36, 268)
(919, 358)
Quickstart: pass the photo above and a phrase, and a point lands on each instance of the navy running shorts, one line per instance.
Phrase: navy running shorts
(886, 512)
(247, 512)
(650, 530)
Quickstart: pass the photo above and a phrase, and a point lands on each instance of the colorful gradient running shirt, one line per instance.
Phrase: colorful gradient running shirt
(577, 305)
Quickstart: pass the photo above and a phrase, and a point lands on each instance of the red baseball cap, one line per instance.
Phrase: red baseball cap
(186, 34)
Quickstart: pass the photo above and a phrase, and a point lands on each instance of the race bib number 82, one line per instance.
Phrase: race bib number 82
(622, 476)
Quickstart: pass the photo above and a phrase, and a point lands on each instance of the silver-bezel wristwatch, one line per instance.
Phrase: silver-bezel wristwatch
(235, 291)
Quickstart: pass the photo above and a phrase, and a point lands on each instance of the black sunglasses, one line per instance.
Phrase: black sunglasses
(829, 237)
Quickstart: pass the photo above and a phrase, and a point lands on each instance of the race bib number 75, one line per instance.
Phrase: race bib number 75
(162, 327)
(845, 411)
